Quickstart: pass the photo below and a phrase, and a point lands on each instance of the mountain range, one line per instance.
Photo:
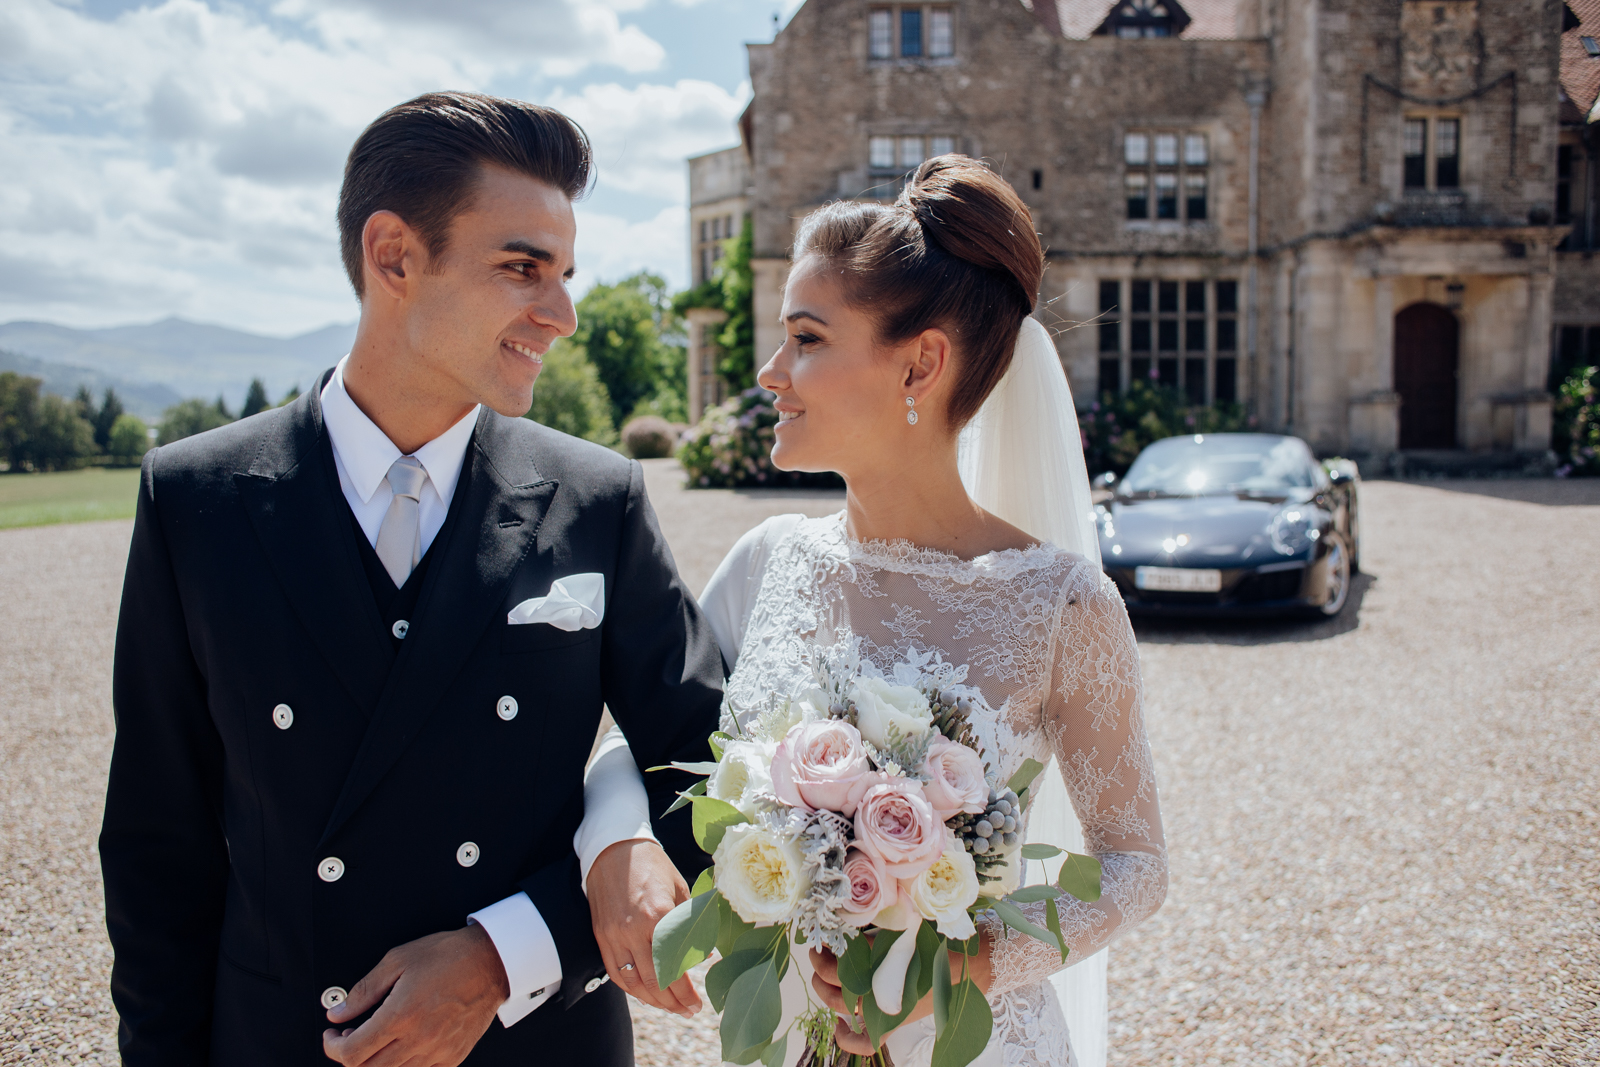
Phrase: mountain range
(154, 365)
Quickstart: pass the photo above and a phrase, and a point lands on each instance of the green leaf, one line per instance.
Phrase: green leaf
(1033, 894)
(930, 946)
(685, 936)
(1025, 775)
(696, 790)
(705, 883)
(855, 966)
(1052, 920)
(942, 982)
(771, 941)
(754, 1008)
(919, 976)
(712, 817)
(730, 927)
(1013, 917)
(773, 1057)
(1080, 876)
(968, 1023)
(702, 767)
(716, 741)
(1040, 852)
(722, 973)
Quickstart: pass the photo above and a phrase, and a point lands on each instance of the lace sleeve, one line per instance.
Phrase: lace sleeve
(1093, 714)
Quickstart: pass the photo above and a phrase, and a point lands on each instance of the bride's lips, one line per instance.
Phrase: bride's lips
(522, 350)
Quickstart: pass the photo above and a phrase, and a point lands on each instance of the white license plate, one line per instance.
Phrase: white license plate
(1178, 579)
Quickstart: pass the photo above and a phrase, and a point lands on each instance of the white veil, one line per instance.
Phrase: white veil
(1022, 459)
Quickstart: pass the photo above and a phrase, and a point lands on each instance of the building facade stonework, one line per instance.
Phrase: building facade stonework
(1371, 221)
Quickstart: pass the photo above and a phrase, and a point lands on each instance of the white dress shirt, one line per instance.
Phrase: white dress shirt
(615, 805)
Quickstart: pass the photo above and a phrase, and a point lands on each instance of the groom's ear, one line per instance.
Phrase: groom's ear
(392, 254)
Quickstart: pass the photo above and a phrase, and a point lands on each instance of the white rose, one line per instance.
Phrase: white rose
(744, 771)
(1009, 873)
(880, 704)
(943, 893)
(760, 874)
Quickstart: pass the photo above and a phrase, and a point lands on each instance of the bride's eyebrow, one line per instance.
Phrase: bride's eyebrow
(795, 316)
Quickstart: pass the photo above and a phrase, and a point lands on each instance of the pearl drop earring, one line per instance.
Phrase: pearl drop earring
(911, 416)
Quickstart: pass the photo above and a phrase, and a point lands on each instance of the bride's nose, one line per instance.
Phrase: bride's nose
(773, 377)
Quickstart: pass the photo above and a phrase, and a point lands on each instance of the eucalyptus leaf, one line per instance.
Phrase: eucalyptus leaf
(1032, 894)
(942, 981)
(1025, 775)
(712, 817)
(730, 927)
(1080, 876)
(855, 966)
(968, 1023)
(1052, 921)
(1040, 852)
(696, 790)
(705, 883)
(1013, 917)
(685, 936)
(719, 979)
(717, 741)
(773, 1057)
(919, 977)
(754, 1008)
(930, 947)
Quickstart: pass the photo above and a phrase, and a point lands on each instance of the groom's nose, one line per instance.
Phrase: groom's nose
(553, 310)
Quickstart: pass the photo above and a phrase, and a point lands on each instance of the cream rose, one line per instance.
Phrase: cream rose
(817, 765)
(895, 822)
(1009, 873)
(871, 888)
(743, 772)
(760, 874)
(955, 779)
(943, 893)
(880, 705)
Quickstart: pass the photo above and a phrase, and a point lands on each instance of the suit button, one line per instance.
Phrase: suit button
(467, 854)
(506, 708)
(333, 996)
(595, 983)
(283, 716)
(331, 869)
(400, 628)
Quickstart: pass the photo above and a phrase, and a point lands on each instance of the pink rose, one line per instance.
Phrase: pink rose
(895, 822)
(955, 779)
(871, 888)
(818, 764)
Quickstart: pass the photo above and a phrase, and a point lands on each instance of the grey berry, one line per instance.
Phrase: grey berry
(1010, 825)
(980, 845)
(984, 828)
(1009, 839)
(1004, 807)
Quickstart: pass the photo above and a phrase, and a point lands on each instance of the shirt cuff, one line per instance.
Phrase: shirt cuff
(527, 951)
(615, 804)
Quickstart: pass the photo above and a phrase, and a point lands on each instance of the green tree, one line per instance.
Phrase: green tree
(625, 330)
(255, 399)
(105, 420)
(129, 439)
(19, 411)
(189, 417)
(221, 408)
(83, 404)
(731, 289)
(61, 437)
(569, 396)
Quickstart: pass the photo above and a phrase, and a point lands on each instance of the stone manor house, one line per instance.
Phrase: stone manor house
(1373, 221)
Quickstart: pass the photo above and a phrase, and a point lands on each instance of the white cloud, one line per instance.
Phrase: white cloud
(643, 135)
(610, 248)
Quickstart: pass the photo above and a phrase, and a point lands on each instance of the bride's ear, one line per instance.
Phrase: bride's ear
(929, 364)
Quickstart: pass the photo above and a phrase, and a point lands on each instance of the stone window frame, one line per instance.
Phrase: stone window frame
(899, 146)
(713, 232)
(938, 28)
(1185, 170)
(1433, 123)
(1181, 332)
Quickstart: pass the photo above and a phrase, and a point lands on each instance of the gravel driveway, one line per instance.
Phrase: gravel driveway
(1384, 828)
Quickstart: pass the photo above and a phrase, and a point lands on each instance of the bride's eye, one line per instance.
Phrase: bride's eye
(804, 339)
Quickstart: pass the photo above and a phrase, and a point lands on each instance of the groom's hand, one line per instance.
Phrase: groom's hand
(632, 886)
(438, 993)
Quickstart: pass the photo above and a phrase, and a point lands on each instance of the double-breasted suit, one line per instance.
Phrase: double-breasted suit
(300, 783)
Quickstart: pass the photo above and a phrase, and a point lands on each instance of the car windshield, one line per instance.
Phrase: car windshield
(1220, 463)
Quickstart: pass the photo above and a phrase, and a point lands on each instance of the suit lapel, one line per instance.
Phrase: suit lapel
(500, 502)
(291, 493)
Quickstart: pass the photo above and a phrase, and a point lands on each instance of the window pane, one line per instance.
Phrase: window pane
(1194, 297)
(1447, 154)
(1167, 336)
(911, 31)
(880, 34)
(1110, 295)
(1226, 391)
(1194, 149)
(1167, 296)
(1110, 377)
(941, 34)
(1194, 335)
(910, 151)
(1139, 336)
(1166, 196)
(1136, 149)
(1416, 153)
(1194, 380)
(1194, 197)
(1138, 196)
(1138, 371)
(941, 146)
(1140, 297)
(703, 236)
(1110, 337)
(1227, 335)
(1166, 149)
(880, 152)
(1228, 297)
(1167, 371)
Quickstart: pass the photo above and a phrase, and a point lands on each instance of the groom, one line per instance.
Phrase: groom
(364, 644)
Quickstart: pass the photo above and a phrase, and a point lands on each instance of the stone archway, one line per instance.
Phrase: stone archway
(1426, 356)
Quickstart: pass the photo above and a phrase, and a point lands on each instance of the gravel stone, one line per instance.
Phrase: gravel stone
(1385, 828)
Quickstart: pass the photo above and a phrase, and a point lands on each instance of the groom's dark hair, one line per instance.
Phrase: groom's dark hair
(421, 159)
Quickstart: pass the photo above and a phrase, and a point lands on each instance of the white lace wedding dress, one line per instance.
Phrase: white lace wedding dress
(1047, 641)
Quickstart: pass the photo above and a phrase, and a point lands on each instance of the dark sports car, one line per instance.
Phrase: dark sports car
(1236, 523)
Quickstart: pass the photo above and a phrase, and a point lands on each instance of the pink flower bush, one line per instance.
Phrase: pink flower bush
(895, 822)
(955, 779)
(821, 765)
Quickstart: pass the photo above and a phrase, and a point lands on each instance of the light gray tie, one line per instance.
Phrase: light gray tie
(399, 544)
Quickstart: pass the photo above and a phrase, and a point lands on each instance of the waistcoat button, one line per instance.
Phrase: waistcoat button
(467, 854)
(333, 996)
(283, 716)
(506, 708)
(331, 869)
(400, 628)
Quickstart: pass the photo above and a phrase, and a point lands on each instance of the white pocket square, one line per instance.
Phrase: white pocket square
(576, 602)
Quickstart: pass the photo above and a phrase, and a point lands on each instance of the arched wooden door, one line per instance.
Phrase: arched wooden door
(1426, 340)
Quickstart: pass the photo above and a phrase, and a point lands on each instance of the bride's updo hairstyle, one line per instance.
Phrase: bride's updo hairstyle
(956, 251)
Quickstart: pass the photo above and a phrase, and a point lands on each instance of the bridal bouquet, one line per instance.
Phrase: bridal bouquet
(861, 805)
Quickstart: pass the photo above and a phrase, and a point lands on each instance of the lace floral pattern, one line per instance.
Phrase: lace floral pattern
(1047, 641)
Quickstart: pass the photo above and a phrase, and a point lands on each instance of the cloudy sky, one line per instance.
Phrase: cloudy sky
(183, 157)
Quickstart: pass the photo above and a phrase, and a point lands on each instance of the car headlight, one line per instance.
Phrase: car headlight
(1294, 529)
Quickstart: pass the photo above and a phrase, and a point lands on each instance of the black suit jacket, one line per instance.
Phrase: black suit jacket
(245, 591)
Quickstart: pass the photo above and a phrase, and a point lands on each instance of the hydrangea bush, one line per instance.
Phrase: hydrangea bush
(1577, 424)
(731, 448)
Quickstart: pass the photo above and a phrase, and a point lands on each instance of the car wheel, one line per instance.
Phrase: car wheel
(1338, 580)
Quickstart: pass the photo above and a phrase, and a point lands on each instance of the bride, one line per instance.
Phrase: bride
(912, 367)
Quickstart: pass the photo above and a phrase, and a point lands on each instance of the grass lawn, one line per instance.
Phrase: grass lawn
(68, 496)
